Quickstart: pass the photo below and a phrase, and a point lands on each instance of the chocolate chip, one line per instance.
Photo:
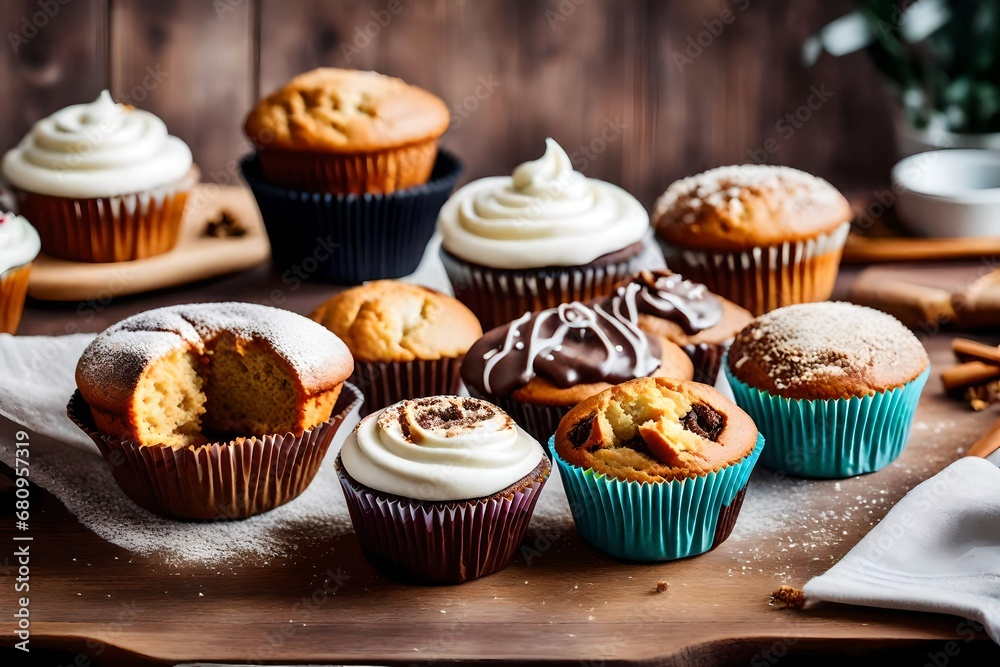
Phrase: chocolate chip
(581, 430)
(704, 421)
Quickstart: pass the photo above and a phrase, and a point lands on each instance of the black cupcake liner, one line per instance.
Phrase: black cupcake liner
(348, 239)
(385, 383)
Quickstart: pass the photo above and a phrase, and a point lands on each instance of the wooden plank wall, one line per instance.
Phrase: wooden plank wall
(641, 91)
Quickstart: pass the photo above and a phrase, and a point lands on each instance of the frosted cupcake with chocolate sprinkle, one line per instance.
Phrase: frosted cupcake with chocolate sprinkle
(441, 488)
(832, 386)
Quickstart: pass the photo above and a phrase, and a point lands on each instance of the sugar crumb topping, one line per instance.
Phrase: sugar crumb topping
(816, 342)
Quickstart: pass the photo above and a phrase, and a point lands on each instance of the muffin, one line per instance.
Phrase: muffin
(345, 131)
(441, 488)
(543, 236)
(656, 469)
(759, 235)
(832, 386)
(19, 245)
(687, 314)
(542, 364)
(407, 341)
(102, 182)
(213, 410)
(347, 175)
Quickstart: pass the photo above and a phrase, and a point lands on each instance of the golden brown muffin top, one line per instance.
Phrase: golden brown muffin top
(345, 111)
(826, 350)
(655, 430)
(387, 320)
(745, 206)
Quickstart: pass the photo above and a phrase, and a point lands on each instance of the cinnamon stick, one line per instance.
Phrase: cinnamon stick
(969, 374)
(988, 443)
(970, 350)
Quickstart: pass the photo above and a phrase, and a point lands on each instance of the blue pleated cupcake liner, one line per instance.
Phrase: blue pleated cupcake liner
(832, 438)
(657, 521)
(348, 239)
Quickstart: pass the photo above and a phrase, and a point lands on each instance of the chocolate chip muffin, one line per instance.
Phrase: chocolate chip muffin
(656, 468)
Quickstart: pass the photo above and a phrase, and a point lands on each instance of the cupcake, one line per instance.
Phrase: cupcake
(832, 386)
(347, 175)
(543, 236)
(345, 131)
(19, 245)
(213, 410)
(759, 235)
(407, 341)
(542, 364)
(687, 314)
(656, 469)
(441, 489)
(102, 182)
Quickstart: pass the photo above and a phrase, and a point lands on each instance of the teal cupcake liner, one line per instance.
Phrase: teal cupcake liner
(832, 438)
(658, 521)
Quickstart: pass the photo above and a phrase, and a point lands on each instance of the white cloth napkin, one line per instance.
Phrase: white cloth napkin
(937, 550)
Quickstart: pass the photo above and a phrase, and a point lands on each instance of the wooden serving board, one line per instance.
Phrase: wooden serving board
(883, 238)
(560, 602)
(196, 257)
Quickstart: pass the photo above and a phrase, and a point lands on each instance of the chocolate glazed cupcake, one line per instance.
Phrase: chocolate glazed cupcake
(542, 364)
(656, 469)
(687, 314)
(543, 236)
(441, 489)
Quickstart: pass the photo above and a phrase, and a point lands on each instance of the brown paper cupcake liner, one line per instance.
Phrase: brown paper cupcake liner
(385, 383)
(728, 514)
(707, 361)
(13, 289)
(222, 480)
(380, 172)
(540, 421)
(498, 296)
(109, 229)
(766, 278)
(441, 542)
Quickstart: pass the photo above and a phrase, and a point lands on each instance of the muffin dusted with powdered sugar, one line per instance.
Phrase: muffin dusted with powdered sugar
(213, 410)
(759, 235)
(832, 386)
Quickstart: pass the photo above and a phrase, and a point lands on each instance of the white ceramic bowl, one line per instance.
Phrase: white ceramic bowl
(948, 193)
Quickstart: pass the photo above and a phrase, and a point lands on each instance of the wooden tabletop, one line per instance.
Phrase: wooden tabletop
(325, 605)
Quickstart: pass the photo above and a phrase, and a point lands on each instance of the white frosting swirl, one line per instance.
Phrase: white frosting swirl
(545, 214)
(19, 242)
(439, 449)
(96, 150)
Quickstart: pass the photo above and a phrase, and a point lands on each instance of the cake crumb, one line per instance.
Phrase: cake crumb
(793, 598)
(661, 586)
